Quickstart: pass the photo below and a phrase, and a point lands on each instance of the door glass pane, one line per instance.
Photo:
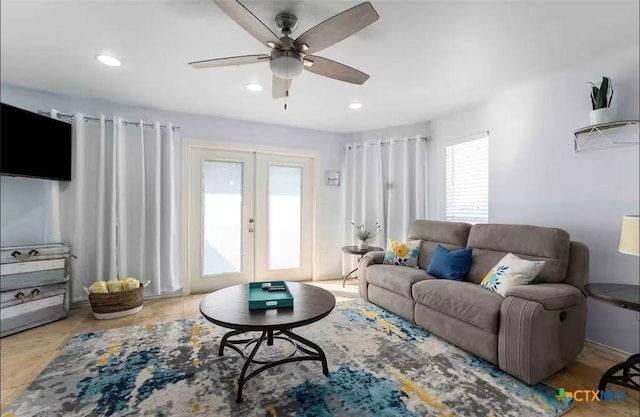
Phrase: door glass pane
(284, 216)
(222, 217)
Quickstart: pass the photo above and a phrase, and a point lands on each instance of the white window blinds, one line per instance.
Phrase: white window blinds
(467, 191)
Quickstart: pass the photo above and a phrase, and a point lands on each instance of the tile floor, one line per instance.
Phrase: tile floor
(24, 355)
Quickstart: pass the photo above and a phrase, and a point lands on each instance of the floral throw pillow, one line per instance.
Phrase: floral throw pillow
(510, 272)
(404, 254)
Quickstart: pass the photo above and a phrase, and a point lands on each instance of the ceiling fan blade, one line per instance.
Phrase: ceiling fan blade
(279, 87)
(335, 70)
(249, 22)
(337, 28)
(230, 61)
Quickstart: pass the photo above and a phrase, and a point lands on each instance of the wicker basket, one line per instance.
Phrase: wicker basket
(116, 304)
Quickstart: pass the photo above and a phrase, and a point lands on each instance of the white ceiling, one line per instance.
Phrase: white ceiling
(424, 58)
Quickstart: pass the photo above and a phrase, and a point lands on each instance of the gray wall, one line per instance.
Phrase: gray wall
(410, 130)
(536, 178)
(24, 215)
(25, 202)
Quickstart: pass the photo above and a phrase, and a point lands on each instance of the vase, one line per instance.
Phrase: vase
(599, 116)
(362, 244)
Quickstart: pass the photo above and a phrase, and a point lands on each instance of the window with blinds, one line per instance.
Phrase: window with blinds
(467, 191)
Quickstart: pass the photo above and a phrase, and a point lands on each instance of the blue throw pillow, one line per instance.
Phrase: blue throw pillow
(449, 264)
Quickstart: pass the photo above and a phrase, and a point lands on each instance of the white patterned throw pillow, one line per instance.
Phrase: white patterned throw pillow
(404, 254)
(510, 272)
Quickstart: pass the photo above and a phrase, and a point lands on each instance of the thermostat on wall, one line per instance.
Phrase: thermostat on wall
(333, 178)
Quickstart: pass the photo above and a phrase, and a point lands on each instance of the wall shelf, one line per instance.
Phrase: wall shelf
(607, 135)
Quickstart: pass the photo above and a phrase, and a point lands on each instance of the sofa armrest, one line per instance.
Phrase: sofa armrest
(370, 258)
(542, 330)
(551, 296)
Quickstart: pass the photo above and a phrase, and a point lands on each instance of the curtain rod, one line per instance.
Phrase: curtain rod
(95, 119)
(470, 136)
(389, 142)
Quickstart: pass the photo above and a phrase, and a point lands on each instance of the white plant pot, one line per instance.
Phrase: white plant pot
(600, 116)
(362, 245)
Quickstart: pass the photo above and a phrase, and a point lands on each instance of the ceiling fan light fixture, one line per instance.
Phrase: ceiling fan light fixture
(355, 106)
(286, 65)
(254, 87)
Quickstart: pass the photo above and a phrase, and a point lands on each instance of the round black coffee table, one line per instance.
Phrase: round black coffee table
(624, 296)
(229, 308)
(354, 250)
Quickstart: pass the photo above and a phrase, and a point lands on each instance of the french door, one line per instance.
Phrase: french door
(250, 218)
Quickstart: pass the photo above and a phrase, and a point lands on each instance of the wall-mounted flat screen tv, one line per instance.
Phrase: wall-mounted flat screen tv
(32, 145)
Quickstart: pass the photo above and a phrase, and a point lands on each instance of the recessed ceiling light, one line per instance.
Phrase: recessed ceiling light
(355, 106)
(109, 60)
(254, 87)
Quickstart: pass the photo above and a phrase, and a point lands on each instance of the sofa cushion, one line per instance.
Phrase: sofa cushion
(551, 296)
(449, 264)
(463, 300)
(398, 279)
(451, 235)
(491, 242)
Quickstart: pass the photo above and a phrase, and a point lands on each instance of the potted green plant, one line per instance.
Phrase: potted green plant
(365, 233)
(601, 102)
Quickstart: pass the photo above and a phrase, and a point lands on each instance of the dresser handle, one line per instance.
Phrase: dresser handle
(19, 256)
(26, 298)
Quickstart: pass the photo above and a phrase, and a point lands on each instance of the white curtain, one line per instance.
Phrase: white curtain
(385, 182)
(121, 211)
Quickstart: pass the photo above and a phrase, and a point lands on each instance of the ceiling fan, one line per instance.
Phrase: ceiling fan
(289, 57)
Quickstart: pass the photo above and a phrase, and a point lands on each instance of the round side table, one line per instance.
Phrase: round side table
(354, 250)
(624, 296)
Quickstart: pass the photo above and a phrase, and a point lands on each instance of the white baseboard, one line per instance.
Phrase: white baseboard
(609, 349)
(325, 278)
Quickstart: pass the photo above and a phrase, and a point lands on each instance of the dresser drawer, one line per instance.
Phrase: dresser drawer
(33, 313)
(15, 254)
(32, 279)
(31, 294)
(31, 266)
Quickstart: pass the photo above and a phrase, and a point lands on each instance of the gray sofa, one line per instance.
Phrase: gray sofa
(531, 333)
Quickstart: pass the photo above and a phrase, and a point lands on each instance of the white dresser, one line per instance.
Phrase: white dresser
(34, 286)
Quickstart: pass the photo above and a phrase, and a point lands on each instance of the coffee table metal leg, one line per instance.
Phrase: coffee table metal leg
(225, 342)
(318, 354)
(242, 380)
(313, 353)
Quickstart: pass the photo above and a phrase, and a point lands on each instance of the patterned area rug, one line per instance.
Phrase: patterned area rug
(379, 365)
